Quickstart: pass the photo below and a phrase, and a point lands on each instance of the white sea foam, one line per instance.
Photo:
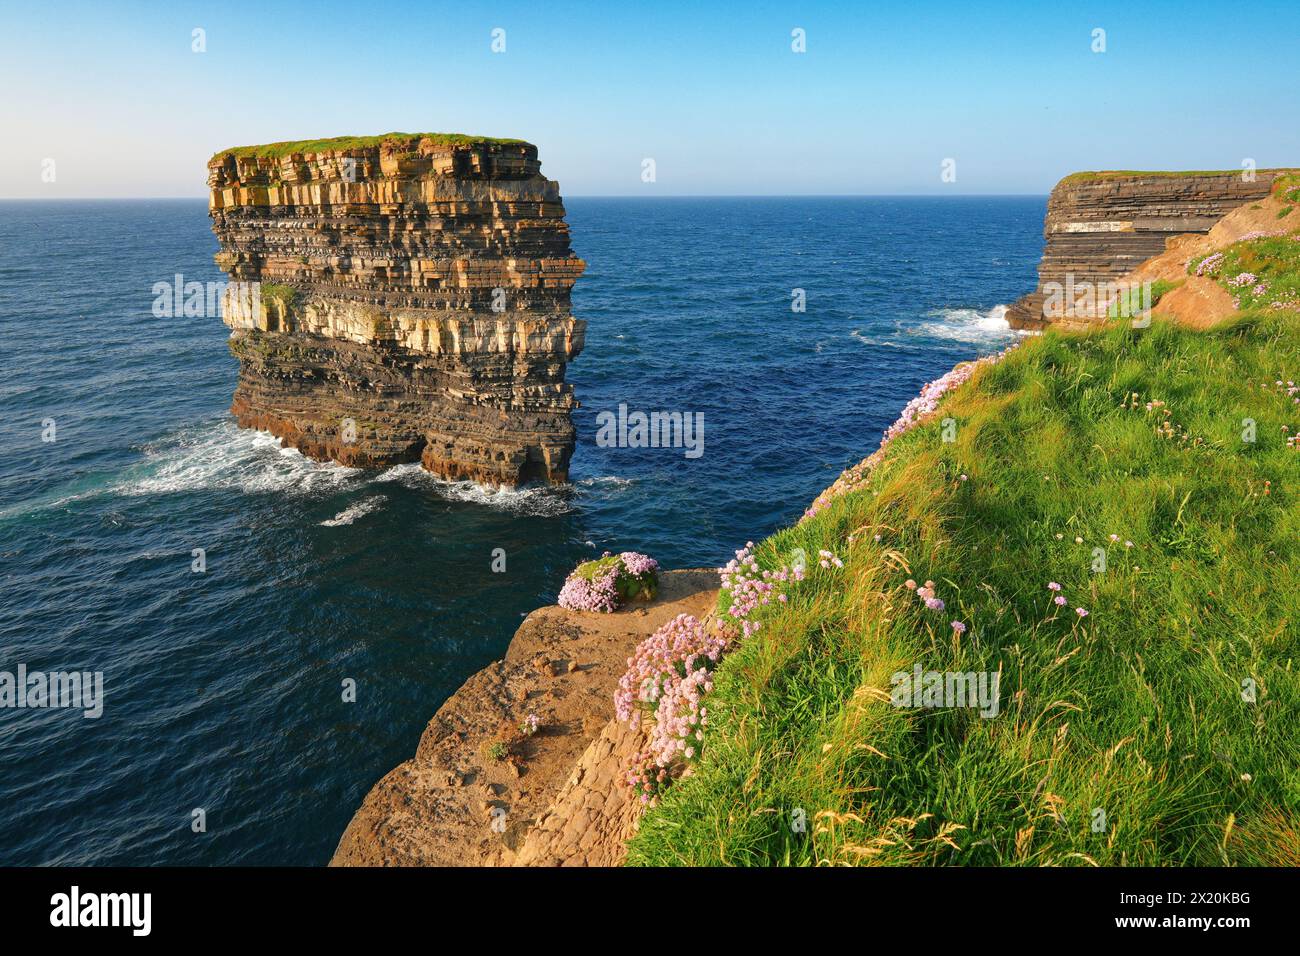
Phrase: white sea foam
(968, 325)
(221, 456)
(606, 481)
(540, 500)
(882, 340)
(224, 456)
(353, 512)
(47, 503)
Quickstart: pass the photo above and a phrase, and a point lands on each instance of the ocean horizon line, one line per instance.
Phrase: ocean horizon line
(593, 196)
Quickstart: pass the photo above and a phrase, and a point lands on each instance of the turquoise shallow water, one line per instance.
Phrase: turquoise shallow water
(222, 689)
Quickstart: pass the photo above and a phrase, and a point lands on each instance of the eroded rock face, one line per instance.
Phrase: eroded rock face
(565, 803)
(1101, 226)
(414, 304)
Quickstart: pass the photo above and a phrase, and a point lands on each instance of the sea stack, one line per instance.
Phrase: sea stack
(401, 298)
(1101, 225)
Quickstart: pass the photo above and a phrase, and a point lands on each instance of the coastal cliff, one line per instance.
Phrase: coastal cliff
(1049, 623)
(401, 298)
(1096, 537)
(1100, 226)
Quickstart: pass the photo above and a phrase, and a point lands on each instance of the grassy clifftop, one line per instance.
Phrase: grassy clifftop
(1105, 174)
(1111, 520)
(279, 150)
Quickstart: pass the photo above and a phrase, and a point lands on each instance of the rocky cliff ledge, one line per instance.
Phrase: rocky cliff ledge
(563, 802)
(413, 302)
(1100, 226)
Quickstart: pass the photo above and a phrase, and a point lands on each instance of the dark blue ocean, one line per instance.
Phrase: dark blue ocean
(223, 689)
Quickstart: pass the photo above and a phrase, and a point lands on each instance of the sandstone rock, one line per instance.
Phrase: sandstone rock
(413, 305)
(574, 771)
(1100, 226)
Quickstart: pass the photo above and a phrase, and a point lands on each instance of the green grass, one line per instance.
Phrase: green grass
(1289, 187)
(630, 587)
(279, 150)
(1130, 303)
(286, 295)
(1097, 175)
(1274, 261)
(1135, 710)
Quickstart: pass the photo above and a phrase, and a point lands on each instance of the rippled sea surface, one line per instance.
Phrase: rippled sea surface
(223, 689)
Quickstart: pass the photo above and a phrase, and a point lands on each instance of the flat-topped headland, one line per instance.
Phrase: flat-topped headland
(411, 302)
(1102, 225)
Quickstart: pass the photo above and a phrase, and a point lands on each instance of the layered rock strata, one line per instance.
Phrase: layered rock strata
(400, 299)
(1100, 226)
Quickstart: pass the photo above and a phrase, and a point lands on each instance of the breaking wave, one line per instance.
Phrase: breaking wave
(606, 481)
(968, 325)
(224, 456)
(540, 500)
(353, 512)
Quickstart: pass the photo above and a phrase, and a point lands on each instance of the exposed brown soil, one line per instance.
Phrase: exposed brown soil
(1198, 301)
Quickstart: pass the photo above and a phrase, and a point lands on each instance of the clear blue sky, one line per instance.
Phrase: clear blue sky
(712, 92)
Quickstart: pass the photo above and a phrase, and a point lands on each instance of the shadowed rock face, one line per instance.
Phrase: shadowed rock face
(414, 305)
(565, 801)
(1101, 226)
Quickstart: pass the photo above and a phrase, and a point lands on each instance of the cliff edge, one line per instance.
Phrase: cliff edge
(1049, 623)
(457, 803)
(1095, 670)
(1103, 225)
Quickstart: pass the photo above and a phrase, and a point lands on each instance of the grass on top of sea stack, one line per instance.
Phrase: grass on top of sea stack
(279, 150)
(1159, 728)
